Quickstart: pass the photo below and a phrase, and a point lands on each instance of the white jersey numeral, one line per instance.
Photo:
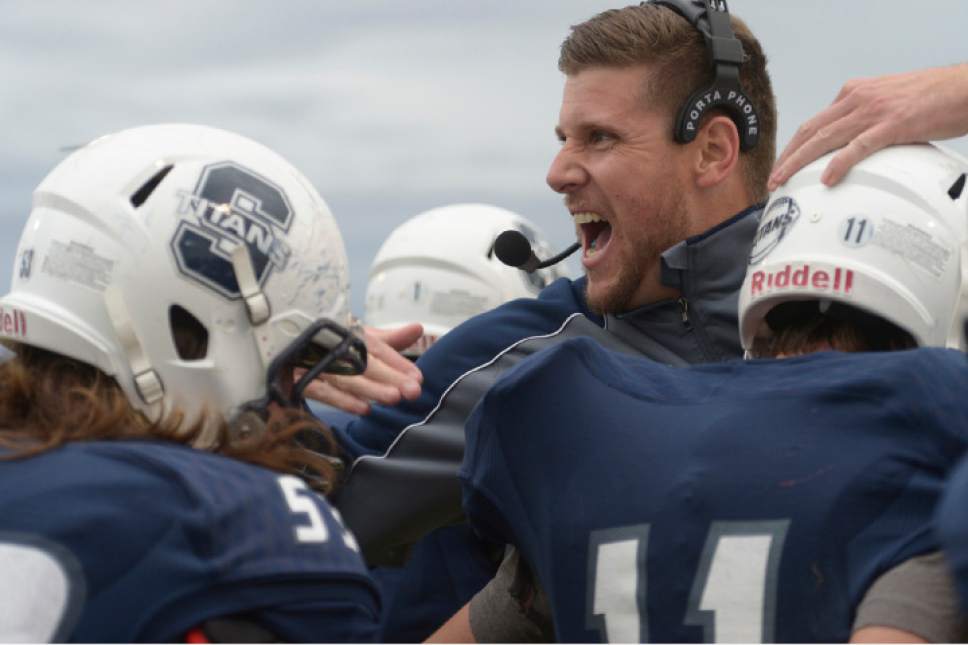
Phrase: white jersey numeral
(301, 499)
(618, 598)
(348, 539)
(298, 497)
(733, 593)
(35, 594)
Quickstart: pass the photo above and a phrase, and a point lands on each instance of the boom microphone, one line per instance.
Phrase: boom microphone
(513, 249)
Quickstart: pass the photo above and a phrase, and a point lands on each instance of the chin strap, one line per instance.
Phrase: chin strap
(256, 304)
(146, 380)
(249, 424)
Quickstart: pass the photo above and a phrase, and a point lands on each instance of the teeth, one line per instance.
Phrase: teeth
(587, 218)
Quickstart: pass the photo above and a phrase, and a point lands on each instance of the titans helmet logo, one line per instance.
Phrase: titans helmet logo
(231, 205)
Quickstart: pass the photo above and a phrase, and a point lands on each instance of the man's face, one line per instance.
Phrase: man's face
(621, 175)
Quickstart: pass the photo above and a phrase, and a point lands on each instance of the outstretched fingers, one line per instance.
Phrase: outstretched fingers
(389, 377)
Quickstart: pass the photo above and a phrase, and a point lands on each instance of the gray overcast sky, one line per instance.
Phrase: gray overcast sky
(390, 107)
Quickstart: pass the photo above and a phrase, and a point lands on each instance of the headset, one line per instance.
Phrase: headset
(711, 18)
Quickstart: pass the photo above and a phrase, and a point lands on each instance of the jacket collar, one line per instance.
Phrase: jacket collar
(708, 271)
(716, 257)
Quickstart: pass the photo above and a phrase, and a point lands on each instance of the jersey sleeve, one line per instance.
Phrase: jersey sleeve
(512, 435)
(485, 495)
(951, 520)
(266, 548)
(472, 343)
(937, 392)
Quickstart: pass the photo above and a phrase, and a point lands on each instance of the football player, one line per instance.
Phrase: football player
(155, 483)
(769, 500)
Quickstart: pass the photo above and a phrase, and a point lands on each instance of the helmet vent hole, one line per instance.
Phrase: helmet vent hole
(956, 188)
(142, 194)
(188, 334)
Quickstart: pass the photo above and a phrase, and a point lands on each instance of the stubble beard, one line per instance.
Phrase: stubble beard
(669, 229)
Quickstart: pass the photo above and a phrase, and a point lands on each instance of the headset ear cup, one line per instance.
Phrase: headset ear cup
(711, 18)
(687, 121)
(729, 98)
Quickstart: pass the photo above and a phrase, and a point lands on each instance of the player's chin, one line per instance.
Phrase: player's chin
(605, 293)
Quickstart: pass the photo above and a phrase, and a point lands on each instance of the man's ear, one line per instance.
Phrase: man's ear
(716, 151)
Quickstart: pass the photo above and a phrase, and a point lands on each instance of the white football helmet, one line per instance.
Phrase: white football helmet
(439, 269)
(166, 223)
(890, 240)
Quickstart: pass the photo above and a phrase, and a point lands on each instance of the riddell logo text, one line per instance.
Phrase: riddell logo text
(840, 280)
(13, 322)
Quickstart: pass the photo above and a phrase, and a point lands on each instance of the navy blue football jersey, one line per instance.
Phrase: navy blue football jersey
(732, 502)
(143, 541)
(952, 524)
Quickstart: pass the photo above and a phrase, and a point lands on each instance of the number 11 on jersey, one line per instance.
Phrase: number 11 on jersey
(733, 594)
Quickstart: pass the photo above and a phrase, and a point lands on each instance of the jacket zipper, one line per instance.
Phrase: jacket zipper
(684, 308)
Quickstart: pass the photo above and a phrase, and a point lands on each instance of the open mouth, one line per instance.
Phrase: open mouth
(595, 233)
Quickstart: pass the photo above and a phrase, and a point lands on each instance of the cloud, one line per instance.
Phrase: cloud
(389, 107)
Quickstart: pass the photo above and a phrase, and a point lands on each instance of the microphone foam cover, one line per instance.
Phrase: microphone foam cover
(512, 248)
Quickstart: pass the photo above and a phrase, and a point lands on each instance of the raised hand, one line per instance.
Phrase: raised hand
(873, 113)
(389, 376)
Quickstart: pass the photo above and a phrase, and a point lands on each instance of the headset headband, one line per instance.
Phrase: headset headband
(711, 18)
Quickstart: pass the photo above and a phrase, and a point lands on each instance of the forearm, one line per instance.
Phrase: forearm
(879, 634)
(455, 630)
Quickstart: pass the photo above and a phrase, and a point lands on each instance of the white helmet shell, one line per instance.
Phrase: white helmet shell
(142, 222)
(439, 269)
(889, 240)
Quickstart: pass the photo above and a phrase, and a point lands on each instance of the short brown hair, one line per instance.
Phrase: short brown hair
(800, 327)
(676, 52)
(47, 400)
